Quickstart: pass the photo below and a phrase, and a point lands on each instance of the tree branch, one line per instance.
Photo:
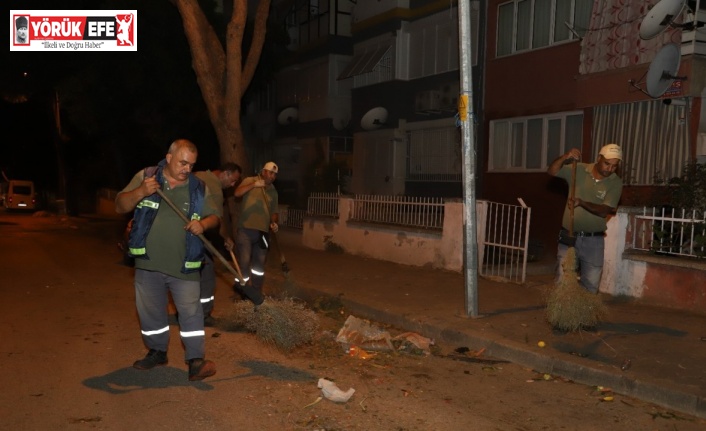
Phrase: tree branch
(258, 40)
(208, 57)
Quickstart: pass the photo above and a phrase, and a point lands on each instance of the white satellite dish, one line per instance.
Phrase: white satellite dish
(288, 116)
(374, 119)
(340, 122)
(663, 69)
(660, 17)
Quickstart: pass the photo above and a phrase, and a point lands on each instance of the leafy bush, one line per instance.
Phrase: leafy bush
(689, 189)
(687, 196)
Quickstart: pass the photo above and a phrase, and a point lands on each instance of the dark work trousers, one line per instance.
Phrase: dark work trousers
(208, 284)
(208, 272)
(252, 253)
(152, 291)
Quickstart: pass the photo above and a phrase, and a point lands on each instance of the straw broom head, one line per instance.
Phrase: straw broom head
(284, 323)
(569, 306)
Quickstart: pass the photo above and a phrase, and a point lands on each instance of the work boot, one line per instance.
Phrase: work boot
(199, 369)
(151, 360)
(209, 321)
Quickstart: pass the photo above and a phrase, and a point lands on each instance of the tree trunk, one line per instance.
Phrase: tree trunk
(221, 74)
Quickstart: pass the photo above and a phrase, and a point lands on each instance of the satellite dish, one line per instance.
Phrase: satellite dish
(660, 17)
(374, 119)
(288, 116)
(340, 123)
(662, 70)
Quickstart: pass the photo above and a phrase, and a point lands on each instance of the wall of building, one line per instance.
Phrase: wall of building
(667, 281)
(418, 247)
(546, 196)
(678, 283)
(531, 83)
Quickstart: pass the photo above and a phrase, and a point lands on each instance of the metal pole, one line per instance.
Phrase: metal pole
(61, 195)
(466, 116)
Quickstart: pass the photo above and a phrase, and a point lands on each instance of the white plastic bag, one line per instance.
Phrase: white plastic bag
(333, 393)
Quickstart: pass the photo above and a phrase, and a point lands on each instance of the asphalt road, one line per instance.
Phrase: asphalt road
(70, 334)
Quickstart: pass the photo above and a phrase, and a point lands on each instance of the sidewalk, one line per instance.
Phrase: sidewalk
(666, 348)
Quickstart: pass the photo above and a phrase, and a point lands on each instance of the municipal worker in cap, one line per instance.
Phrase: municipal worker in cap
(258, 216)
(596, 196)
(21, 31)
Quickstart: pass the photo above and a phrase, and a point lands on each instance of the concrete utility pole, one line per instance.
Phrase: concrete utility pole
(465, 113)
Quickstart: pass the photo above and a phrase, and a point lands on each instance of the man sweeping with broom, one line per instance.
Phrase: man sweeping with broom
(259, 215)
(594, 192)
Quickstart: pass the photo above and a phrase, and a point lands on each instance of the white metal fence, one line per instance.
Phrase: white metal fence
(323, 204)
(420, 212)
(503, 238)
(292, 218)
(670, 231)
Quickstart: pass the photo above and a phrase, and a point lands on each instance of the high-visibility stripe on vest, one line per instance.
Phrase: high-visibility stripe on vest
(146, 212)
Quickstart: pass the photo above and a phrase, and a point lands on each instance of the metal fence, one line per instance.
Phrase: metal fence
(503, 232)
(670, 231)
(323, 204)
(420, 212)
(292, 218)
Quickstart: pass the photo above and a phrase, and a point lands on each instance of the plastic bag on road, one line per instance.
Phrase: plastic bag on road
(333, 393)
(360, 333)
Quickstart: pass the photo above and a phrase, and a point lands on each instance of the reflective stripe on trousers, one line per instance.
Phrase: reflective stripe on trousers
(151, 299)
(251, 256)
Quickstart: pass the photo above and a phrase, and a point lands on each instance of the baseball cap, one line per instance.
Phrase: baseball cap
(612, 151)
(270, 166)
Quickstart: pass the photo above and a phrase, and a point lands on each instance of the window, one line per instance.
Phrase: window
(373, 59)
(654, 138)
(433, 43)
(532, 143)
(381, 72)
(531, 24)
(308, 83)
(434, 155)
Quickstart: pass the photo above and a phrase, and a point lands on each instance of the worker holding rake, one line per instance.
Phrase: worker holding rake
(595, 191)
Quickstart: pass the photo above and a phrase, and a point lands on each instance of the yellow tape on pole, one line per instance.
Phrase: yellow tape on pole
(463, 107)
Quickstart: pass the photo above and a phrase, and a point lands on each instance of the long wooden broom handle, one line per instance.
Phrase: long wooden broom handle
(274, 234)
(205, 241)
(572, 195)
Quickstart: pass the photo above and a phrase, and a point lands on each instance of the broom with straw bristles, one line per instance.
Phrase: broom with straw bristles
(570, 307)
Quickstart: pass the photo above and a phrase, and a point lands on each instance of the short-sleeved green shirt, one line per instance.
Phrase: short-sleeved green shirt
(257, 207)
(166, 241)
(606, 191)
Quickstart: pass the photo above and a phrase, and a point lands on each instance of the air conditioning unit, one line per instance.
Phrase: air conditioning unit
(429, 100)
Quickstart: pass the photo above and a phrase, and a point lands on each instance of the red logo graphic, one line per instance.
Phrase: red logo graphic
(126, 31)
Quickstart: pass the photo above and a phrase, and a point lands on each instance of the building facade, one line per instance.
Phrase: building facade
(372, 86)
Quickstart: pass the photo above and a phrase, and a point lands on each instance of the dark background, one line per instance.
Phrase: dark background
(119, 110)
